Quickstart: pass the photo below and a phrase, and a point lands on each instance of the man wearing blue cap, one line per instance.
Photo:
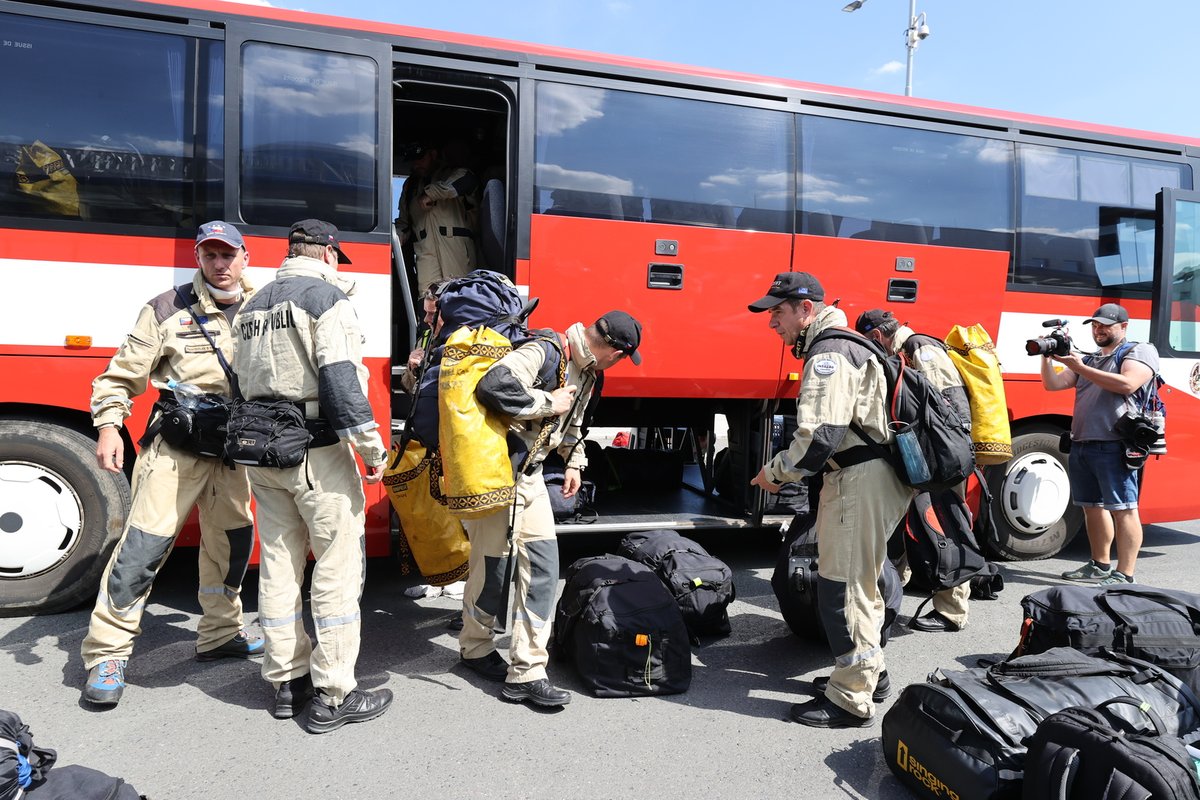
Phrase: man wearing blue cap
(183, 335)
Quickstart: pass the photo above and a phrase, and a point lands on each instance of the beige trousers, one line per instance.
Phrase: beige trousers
(860, 507)
(317, 506)
(535, 550)
(167, 484)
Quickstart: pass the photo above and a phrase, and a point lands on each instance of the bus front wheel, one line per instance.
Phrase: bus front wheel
(1031, 499)
(60, 516)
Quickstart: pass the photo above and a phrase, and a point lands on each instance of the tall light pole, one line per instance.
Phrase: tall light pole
(917, 30)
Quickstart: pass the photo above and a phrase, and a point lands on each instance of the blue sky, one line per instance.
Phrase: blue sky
(1112, 62)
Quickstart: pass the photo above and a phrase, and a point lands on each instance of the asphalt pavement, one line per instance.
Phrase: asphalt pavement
(189, 730)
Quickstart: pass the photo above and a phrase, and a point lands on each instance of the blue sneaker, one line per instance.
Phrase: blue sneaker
(240, 646)
(105, 683)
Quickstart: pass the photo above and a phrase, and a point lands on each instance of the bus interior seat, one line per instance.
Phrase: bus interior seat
(682, 212)
(578, 203)
(818, 223)
(763, 219)
(492, 225)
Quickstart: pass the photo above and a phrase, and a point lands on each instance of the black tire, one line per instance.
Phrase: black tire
(1024, 536)
(60, 516)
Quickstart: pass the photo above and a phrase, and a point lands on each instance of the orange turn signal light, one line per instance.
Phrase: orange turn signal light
(78, 341)
(641, 639)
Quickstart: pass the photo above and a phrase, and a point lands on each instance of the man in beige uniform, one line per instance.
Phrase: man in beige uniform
(511, 389)
(928, 356)
(434, 215)
(299, 341)
(167, 344)
(861, 501)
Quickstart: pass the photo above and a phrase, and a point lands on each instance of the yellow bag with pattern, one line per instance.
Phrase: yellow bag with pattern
(43, 176)
(478, 476)
(973, 353)
(435, 538)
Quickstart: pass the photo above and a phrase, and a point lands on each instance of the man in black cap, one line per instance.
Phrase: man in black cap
(862, 500)
(298, 341)
(522, 389)
(1104, 474)
(927, 355)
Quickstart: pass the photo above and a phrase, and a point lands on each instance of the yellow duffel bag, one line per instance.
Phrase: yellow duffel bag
(473, 442)
(973, 353)
(435, 538)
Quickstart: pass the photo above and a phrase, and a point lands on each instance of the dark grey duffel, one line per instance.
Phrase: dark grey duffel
(964, 733)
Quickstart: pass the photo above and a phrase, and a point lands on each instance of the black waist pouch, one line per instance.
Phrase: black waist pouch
(199, 429)
(267, 433)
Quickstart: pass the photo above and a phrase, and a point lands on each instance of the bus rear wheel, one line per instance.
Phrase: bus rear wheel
(60, 516)
(1032, 499)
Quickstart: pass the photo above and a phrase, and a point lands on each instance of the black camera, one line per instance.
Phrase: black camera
(1055, 343)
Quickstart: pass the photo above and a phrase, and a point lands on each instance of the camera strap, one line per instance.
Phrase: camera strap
(220, 356)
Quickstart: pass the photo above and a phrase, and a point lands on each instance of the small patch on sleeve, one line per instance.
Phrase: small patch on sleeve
(826, 367)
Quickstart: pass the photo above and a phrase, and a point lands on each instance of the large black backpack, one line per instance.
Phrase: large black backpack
(1161, 626)
(622, 629)
(965, 733)
(915, 406)
(794, 581)
(939, 537)
(701, 583)
(1091, 754)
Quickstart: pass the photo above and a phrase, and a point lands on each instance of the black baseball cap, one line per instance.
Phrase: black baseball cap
(315, 231)
(790, 286)
(622, 332)
(1109, 314)
(870, 320)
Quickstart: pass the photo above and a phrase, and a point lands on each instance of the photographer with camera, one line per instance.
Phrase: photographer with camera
(1103, 467)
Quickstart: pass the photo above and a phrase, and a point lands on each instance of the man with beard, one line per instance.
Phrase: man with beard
(1107, 383)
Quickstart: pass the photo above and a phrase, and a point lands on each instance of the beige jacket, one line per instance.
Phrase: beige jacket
(166, 344)
(841, 383)
(299, 339)
(513, 388)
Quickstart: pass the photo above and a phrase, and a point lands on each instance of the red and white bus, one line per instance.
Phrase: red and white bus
(675, 192)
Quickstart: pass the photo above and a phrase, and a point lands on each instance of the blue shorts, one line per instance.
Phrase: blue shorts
(1099, 477)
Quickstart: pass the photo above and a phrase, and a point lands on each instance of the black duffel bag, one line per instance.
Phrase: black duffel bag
(965, 733)
(1084, 753)
(701, 583)
(267, 433)
(622, 629)
(1161, 626)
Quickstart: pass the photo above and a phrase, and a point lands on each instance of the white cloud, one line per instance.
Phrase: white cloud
(563, 108)
(889, 68)
(552, 175)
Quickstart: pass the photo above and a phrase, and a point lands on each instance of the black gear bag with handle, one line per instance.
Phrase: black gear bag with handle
(701, 583)
(1087, 753)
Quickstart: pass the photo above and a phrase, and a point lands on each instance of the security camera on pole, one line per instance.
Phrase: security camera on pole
(918, 29)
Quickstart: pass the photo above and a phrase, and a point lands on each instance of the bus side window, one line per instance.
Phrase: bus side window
(111, 114)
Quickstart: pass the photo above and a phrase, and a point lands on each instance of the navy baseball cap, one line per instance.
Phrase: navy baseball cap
(220, 231)
(789, 286)
(315, 231)
(623, 332)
